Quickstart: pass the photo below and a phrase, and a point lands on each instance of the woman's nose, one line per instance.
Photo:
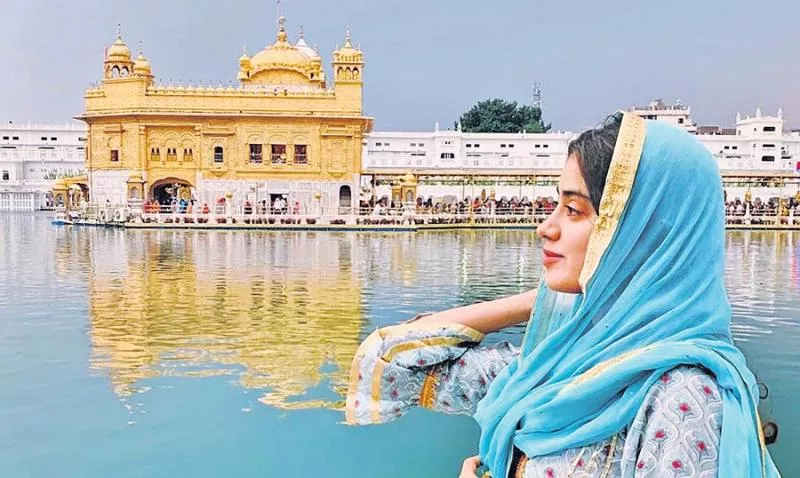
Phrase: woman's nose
(548, 229)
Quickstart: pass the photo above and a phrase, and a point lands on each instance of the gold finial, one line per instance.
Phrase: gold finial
(282, 29)
(347, 43)
(302, 34)
(119, 31)
(141, 48)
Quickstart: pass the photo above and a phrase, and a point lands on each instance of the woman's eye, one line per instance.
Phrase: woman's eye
(571, 211)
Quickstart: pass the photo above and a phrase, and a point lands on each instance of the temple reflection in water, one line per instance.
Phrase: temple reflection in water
(280, 318)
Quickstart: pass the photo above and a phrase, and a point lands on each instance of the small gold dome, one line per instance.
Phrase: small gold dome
(142, 66)
(244, 60)
(118, 50)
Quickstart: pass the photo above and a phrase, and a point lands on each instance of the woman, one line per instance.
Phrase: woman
(627, 367)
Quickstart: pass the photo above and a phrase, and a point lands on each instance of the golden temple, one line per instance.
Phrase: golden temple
(282, 131)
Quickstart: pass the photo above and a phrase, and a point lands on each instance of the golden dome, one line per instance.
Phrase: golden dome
(142, 66)
(281, 55)
(118, 50)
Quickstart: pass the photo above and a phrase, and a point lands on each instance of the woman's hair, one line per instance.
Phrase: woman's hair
(593, 149)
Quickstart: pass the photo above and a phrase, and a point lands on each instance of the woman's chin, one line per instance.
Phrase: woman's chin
(556, 283)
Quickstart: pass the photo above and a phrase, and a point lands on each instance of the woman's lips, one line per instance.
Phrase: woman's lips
(550, 257)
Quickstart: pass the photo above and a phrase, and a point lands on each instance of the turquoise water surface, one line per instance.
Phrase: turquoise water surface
(206, 354)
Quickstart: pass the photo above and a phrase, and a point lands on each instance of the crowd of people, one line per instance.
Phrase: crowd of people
(477, 206)
(735, 209)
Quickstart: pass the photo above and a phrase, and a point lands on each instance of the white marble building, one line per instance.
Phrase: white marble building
(757, 145)
(32, 156)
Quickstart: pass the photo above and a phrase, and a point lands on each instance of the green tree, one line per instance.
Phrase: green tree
(500, 116)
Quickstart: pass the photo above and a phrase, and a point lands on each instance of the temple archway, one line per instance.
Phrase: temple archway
(165, 189)
(345, 199)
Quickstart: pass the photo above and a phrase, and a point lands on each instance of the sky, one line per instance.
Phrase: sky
(430, 60)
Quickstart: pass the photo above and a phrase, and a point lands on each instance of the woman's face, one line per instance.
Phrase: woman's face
(565, 233)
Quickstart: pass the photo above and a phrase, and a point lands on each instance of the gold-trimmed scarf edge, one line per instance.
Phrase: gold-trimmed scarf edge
(617, 191)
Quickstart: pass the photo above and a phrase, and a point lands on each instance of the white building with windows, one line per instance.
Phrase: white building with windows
(32, 156)
(456, 153)
(756, 147)
(678, 115)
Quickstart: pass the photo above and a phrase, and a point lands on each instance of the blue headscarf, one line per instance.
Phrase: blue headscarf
(653, 299)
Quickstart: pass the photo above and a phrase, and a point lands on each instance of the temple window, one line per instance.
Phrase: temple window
(172, 154)
(114, 155)
(256, 153)
(5, 175)
(278, 154)
(187, 154)
(155, 154)
(219, 154)
(300, 154)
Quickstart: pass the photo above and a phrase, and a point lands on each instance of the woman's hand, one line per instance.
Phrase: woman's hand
(470, 467)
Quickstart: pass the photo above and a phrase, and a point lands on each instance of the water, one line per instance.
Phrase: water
(179, 353)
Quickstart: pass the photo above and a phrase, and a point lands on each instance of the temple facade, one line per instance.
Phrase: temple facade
(284, 130)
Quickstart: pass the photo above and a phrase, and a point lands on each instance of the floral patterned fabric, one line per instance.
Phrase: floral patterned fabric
(675, 433)
(407, 365)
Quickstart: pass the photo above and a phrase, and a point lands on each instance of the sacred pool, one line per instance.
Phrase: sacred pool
(165, 353)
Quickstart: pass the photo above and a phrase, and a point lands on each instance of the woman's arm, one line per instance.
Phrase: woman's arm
(487, 317)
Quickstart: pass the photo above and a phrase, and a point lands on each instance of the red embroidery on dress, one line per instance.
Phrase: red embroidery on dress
(420, 362)
(660, 434)
(391, 379)
(677, 464)
(707, 390)
(580, 463)
(549, 473)
(684, 407)
(394, 394)
(462, 362)
(666, 378)
(640, 465)
(701, 445)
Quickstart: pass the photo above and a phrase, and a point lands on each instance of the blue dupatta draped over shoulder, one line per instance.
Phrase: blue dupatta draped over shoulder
(653, 298)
